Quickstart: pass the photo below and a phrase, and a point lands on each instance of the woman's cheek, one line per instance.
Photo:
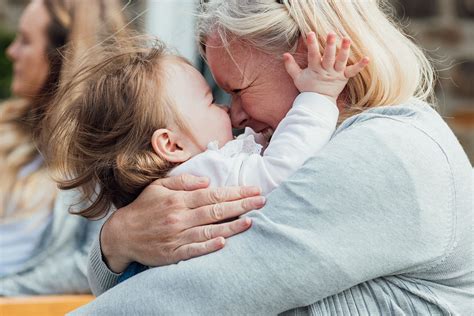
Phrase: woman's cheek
(258, 110)
(249, 105)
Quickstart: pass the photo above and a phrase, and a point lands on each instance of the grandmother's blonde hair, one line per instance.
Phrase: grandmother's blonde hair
(399, 69)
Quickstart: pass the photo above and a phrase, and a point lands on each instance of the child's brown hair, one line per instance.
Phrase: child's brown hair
(104, 120)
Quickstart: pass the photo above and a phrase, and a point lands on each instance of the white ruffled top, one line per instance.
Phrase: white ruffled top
(249, 160)
(249, 143)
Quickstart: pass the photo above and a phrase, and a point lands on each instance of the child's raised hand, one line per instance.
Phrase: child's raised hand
(326, 75)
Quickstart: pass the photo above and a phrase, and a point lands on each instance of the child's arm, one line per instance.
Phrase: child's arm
(310, 123)
(307, 127)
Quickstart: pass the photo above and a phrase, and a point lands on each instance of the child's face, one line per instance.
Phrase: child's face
(192, 95)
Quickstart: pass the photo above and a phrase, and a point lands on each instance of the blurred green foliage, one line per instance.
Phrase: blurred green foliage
(5, 65)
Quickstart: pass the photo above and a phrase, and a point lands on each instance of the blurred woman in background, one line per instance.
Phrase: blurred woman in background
(43, 248)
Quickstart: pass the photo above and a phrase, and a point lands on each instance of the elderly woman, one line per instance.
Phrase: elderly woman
(43, 248)
(377, 223)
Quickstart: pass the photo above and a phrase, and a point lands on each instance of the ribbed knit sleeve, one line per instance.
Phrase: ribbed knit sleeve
(101, 278)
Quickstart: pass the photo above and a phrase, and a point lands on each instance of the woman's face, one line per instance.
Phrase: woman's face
(262, 91)
(28, 52)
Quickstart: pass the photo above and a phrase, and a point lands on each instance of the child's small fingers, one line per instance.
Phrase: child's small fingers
(343, 55)
(329, 52)
(353, 70)
(314, 56)
(291, 66)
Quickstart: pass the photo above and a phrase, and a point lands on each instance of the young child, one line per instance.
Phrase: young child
(142, 114)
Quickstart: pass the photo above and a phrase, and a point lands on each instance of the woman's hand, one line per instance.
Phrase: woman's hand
(175, 219)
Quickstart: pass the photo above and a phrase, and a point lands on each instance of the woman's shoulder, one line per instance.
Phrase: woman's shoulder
(408, 153)
(412, 136)
(415, 122)
(413, 112)
(68, 226)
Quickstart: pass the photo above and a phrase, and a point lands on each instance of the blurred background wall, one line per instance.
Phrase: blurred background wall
(445, 28)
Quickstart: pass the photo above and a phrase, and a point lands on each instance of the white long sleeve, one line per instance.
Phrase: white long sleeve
(304, 131)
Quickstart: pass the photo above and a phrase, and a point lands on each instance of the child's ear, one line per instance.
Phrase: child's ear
(166, 144)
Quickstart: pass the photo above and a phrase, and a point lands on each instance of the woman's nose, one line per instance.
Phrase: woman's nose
(11, 51)
(238, 116)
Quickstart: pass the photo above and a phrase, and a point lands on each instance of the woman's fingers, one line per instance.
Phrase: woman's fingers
(208, 232)
(329, 56)
(206, 239)
(189, 251)
(212, 196)
(184, 182)
(221, 211)
(353, 70)
(314, 56)
(291, 66)
(343, 55)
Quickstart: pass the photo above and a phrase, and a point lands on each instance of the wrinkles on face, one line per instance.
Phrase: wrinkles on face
(262, 92)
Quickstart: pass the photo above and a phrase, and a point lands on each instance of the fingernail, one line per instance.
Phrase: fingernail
(221, 241)
(260, 201)
(253, 191)
(202, 180)
(331, 38)
(246, 222)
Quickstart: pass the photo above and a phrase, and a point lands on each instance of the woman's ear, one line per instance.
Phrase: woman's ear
(166, 144)
(301, 53)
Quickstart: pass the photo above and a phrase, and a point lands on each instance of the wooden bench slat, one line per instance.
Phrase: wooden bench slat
(42, 305)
